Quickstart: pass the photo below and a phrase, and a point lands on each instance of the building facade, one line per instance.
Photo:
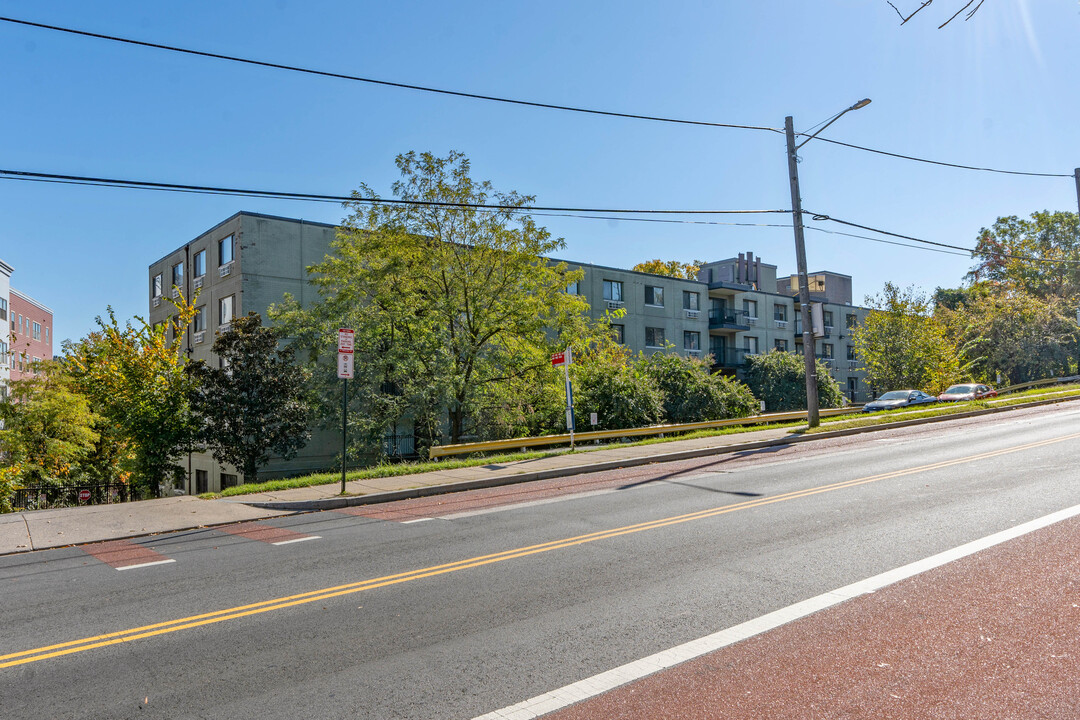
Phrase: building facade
(31, 334)
(249, 261)
(5, 328)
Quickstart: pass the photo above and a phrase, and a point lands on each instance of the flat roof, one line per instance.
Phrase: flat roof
(32, 301)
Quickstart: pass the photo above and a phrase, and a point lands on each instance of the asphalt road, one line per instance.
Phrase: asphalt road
(453, 607)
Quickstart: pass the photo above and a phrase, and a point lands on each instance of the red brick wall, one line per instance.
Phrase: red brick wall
(24, 347)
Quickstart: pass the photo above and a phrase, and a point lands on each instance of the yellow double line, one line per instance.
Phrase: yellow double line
(146, 631)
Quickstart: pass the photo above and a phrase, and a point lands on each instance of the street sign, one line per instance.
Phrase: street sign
(558, 359)
(345, 340)
(345, 365)
(84, 495)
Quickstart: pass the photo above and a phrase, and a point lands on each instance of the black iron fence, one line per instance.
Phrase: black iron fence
(72, 494)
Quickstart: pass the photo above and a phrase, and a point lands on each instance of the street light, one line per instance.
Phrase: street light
(812, 415)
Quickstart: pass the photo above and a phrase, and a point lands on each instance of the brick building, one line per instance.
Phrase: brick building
(31, 332)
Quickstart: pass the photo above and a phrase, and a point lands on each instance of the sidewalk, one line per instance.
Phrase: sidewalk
(42, 529)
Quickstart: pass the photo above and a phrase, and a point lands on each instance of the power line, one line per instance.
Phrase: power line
(938, 162)
(512, 101)
(386, 83)
(1008, 256)
(281, 195)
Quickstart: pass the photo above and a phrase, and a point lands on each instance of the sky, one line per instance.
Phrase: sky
(996, 91)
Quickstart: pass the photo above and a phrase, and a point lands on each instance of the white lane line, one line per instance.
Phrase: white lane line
(526, 504)
(605, 681)
(410, 522)
(146, 564)
(296, 540)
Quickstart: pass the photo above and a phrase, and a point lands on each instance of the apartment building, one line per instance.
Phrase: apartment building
(243, 264)
(31, 334)
(730, 311)
(25, 332)
(5, 327)
(249, 261)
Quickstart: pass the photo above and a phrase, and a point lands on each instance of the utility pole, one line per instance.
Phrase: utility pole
(812, 415)
(1076, 174)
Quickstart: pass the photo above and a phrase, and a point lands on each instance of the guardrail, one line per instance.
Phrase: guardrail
(440, 451)
(1037, 383)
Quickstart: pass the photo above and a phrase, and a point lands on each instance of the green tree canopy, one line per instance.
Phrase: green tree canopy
(903, 345)
(692, 393)
(256, 405)
(448, 301)
(779, 378)
(1039, 256)
(671, 268)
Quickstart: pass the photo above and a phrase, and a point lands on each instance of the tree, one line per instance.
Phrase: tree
(692, 393)
(1040, 256)
(448, 300)
(134, 378)
(903, 345)
(256, 405)
(779, 379)
(967, 5)
(671, 268)
(607, 382)
(47, 430)
(1008, 331)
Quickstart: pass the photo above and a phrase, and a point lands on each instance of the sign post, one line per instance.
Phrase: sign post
(345, 371)
(564, 359)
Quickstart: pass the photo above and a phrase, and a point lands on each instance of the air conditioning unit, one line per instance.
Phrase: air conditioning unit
(199, 337)
(693, 313)
(615, 304)
(852, 364)
(782, 324)
(224, 327)
(828, 330)
(751, 320)
(157, 301)
(224, 270)
(175, 292)
(197, 282)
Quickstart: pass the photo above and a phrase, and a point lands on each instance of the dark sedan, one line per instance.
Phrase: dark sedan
(899, 399)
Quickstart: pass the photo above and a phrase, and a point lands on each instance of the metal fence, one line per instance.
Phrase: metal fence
(72, 494)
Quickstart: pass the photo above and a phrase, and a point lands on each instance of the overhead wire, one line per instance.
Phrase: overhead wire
(493, 98)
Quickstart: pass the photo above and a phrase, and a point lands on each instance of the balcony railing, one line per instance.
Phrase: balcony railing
(727, 320)
(729, 358)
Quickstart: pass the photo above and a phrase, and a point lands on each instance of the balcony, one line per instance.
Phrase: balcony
(721, 320)
(728, 358)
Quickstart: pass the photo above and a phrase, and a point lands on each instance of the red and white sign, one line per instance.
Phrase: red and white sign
(84, 495)
(345, 365)
(345, 340)
(558, 359)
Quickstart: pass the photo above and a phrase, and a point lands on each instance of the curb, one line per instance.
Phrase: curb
(431, 490)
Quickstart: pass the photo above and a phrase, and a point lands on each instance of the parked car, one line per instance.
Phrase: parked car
(969, 391)
(899, 399)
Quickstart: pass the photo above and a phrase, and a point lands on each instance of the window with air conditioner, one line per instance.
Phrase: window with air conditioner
(613, 291)
(691, 300)
(225, 250)
(198, 264)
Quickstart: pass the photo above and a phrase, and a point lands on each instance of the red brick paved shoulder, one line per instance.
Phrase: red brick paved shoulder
(993, 635)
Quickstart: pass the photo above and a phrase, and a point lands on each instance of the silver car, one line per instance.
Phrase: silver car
(898, 399)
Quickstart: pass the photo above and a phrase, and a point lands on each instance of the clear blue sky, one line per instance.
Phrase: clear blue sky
(996, 91)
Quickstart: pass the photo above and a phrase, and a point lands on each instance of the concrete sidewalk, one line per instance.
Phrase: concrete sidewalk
(43, 529)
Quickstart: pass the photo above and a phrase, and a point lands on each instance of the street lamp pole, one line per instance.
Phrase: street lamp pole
(812, 413)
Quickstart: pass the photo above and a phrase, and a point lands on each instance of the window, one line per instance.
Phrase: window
(199, 323)
(613, 290)
(3, 308)
(750, 308)
(155, 286)
(228, 480)
(828, 318)
(225, 310)
(654, 295)
(690, 300)
(827, 350)
(3, 353)
(654, 337)
(225, 250)
(37, 331)
(779, 312)
(47, 335)
(851, 320)
(851, 353)
(178, 275)
(751, 345)
(198, 264)
(619, 333)
(573, 289)
(780, 344)
(691, 341)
